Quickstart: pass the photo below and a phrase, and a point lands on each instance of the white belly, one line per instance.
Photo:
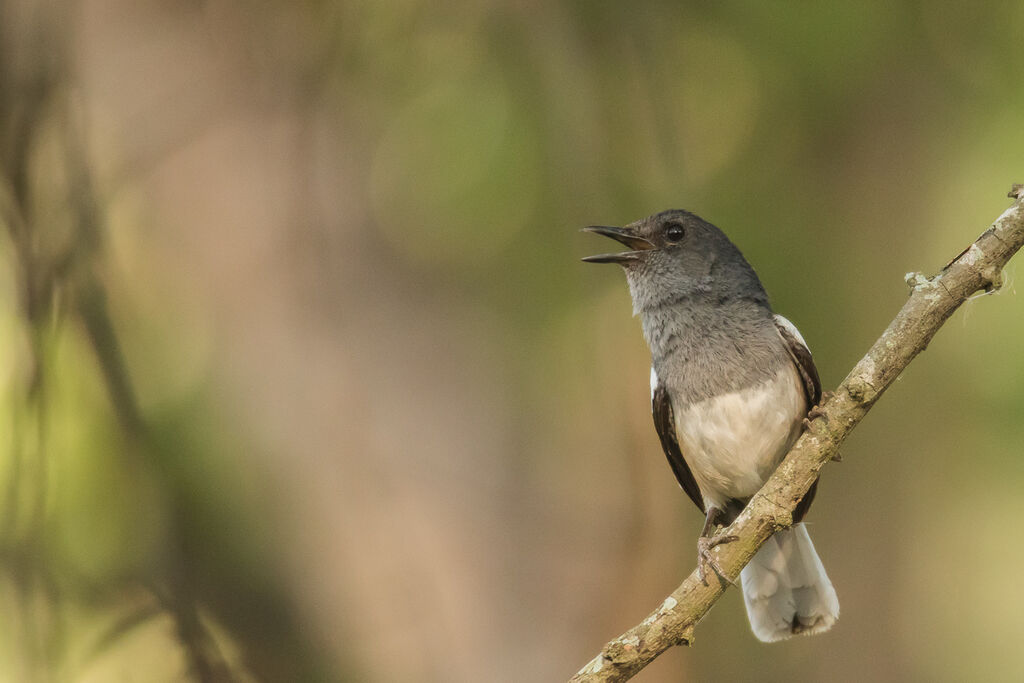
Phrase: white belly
(732, 443)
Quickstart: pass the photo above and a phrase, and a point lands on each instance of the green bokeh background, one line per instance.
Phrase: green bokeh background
(382, 425)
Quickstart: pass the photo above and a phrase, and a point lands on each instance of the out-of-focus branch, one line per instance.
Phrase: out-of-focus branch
(932, 301)
(55, 259)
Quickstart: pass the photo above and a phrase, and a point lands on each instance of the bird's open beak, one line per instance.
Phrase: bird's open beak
(627, 236)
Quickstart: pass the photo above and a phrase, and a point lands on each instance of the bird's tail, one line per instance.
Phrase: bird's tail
(786, 589)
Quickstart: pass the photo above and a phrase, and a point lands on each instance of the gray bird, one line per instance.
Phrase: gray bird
(731, 384)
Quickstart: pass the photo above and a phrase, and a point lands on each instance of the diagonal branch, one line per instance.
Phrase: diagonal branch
(932, 301)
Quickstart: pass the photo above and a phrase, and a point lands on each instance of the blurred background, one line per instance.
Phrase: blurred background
(302, 378)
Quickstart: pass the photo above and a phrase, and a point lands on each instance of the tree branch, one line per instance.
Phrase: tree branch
(932, 301)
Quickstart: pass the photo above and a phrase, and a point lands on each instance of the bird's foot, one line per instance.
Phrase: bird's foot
(815, 412)
(705, 559)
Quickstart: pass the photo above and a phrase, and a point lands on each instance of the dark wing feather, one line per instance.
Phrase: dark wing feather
(665, 423)
(801, 356)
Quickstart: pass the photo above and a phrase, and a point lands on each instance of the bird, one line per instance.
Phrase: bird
(732, 384)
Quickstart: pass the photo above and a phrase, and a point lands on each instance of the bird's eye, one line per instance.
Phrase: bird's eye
(674, 233)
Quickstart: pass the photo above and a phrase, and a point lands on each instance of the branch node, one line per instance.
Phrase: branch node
(916, 280)
(994, 279)
(686, 637)
(622, 649)
(993, 275)
(859, 389)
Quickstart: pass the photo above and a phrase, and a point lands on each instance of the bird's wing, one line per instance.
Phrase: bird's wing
(665, 423)
(801, 356)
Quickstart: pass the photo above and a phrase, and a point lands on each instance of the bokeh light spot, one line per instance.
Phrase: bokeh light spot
(454, 177)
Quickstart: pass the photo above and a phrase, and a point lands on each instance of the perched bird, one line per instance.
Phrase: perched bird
(731, 384)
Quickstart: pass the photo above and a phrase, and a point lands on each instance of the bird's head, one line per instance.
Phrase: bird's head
(674, 255)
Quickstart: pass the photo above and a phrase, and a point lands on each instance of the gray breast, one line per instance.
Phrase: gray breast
(703, 348)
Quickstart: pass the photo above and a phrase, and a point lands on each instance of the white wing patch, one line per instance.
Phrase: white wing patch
(791, 328)
(654, 382)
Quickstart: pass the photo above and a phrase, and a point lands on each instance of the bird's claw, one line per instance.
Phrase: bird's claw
(706, 559)
(815, 412)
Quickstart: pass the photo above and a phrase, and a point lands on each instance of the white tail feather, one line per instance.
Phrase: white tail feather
(786, 589)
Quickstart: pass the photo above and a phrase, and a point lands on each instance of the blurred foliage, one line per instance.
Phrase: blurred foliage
(301, 378)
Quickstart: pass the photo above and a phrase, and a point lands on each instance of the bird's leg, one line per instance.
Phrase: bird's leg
(706, 542)
(815, 412)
